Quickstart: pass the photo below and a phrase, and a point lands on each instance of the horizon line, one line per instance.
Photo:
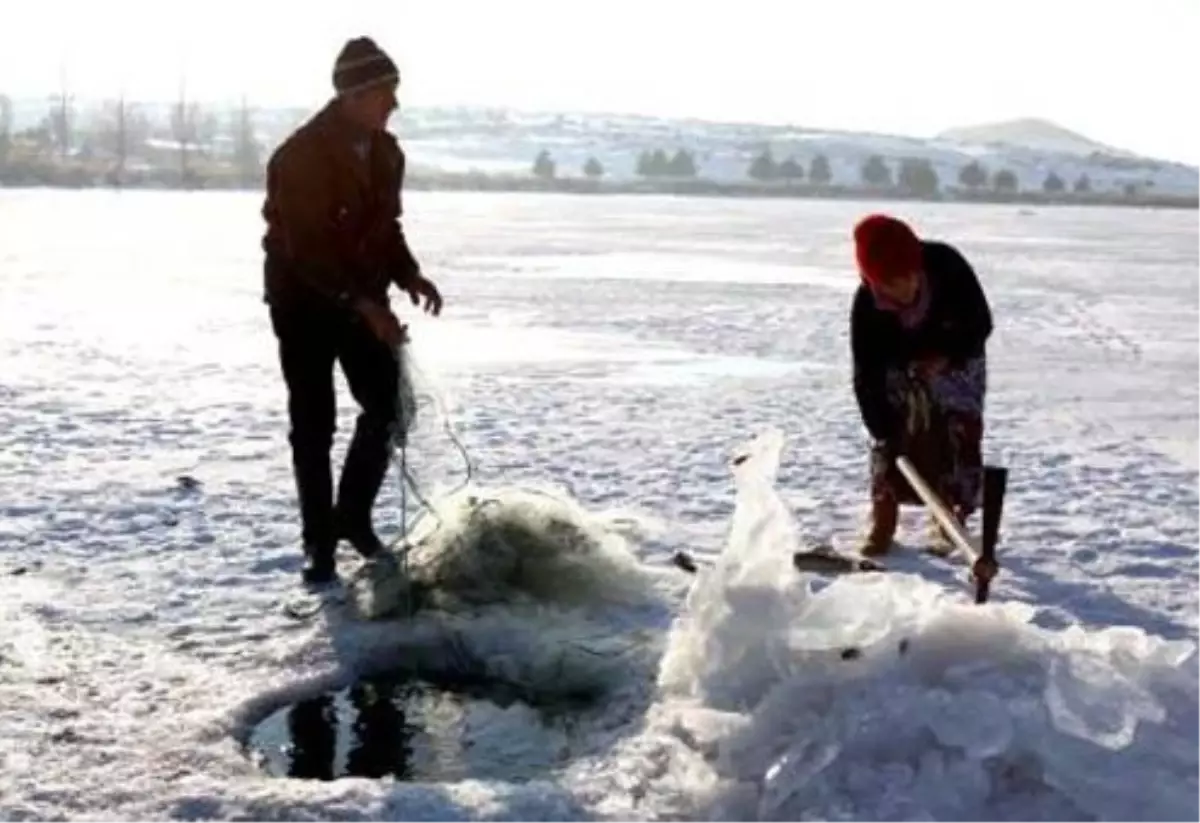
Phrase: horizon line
(234, 101)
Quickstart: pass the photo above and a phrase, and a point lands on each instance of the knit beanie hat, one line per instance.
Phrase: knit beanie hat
(886, 248)
(361, 64)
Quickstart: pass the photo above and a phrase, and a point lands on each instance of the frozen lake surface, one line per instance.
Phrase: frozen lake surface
(624, 349)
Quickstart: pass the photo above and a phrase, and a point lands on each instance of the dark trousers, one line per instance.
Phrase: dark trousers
(312, 337)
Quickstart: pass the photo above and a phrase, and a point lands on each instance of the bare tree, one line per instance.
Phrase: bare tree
(193, 129)
(181, 128)
(121, 137)
(62, 116)
(247, 152)
(121, 131)
(6, 127)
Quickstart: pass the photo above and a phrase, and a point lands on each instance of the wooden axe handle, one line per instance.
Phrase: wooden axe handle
(944, 516)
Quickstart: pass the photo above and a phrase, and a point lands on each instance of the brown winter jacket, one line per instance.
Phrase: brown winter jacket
(333, 214)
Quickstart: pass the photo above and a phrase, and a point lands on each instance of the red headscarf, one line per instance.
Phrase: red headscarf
(886, 248)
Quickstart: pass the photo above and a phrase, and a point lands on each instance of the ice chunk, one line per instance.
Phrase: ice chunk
(1132, 645)
(790, 775)
(973, 720)
(1088, 698)
(762, 535)
(944, 710)
(702, 729)
(835, 618)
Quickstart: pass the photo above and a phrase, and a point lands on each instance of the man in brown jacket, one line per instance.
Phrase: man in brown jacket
(334, 245)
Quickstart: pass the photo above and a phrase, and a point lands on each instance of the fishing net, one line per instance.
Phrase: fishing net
(462, 546)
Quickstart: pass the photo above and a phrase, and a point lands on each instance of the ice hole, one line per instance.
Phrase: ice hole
(425, 728)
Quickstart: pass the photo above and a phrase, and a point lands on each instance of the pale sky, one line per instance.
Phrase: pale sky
(1114, 70)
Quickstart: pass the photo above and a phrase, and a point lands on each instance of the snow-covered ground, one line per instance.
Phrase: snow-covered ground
(624, 349)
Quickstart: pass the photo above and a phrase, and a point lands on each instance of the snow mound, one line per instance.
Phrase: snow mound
(888, 697)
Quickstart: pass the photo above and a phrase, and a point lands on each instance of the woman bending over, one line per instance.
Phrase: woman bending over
(918, 332)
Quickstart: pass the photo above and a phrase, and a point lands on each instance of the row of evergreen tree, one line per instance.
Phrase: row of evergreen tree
(655, 163)
(913, 174)
(917, 175)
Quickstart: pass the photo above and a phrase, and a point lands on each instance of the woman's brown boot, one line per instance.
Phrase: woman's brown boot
(885, 515)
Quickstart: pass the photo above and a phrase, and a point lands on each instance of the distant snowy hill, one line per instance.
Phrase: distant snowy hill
(1031, 133)
(507, 141)
(502, 140)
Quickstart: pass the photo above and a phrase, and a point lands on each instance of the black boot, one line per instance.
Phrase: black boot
(314, 486)
(362, 476)
(359, 533)
(320, 567)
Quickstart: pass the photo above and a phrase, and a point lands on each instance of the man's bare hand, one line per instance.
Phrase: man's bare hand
(423, 287)
(382, 322)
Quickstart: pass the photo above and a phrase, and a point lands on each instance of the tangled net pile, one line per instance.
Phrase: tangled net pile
(469, 546)
(514, 546)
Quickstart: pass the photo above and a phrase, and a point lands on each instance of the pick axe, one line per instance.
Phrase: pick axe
(982, 558)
